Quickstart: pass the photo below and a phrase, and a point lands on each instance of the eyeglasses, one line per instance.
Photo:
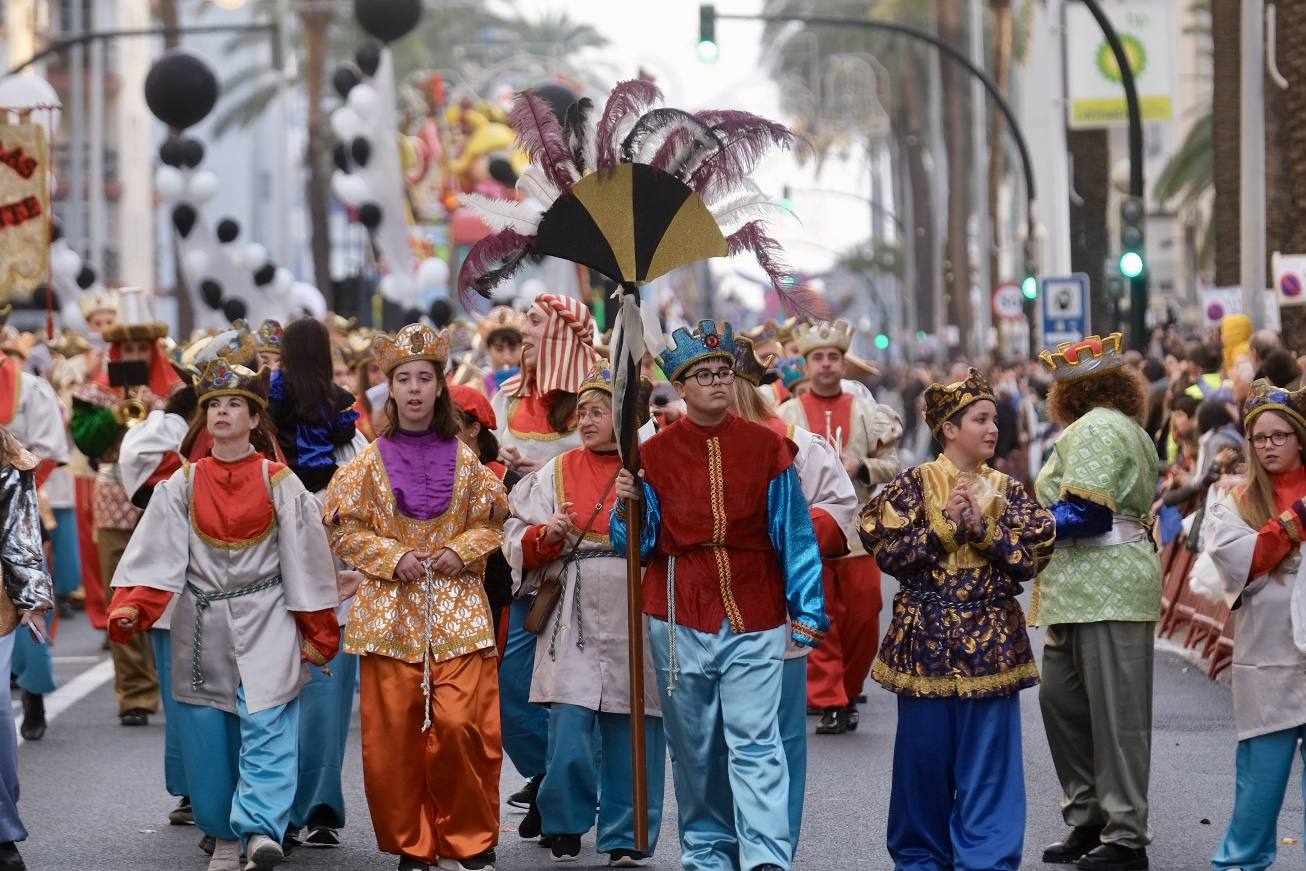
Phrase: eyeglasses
(705, 378)
(1278, 439)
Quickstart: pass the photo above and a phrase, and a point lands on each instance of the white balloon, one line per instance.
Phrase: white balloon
(255, 255)
(349, 188)
(169, 184)
(31, 91)
(203, 185)
(64, 261)
(345, 122)
(284, 279)
(364, 100)
(195, 261)
(389, 287)
(309, 298)
(433, 274)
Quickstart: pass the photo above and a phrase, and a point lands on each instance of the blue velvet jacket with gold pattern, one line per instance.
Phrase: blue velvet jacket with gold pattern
(957, 629)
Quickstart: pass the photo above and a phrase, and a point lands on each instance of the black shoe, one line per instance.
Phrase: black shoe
(861, 699)
(565, 848)
(628, 859)
(833, 722)
(852, 715)
(1076, 845)
(135, 717)
(207, 843)
(479, 862)
(767, 867)
(33, 728)
(531, 824)
(321, 836)
(182, 814)
(408, 863)
(10, 860)
(545, 841)
(1114, 857)
(523, 797)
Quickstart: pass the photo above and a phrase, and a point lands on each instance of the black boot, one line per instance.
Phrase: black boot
(833, 722)
(1114, 857)
(853, 716)
(33, 717)
(565, 848)
(530, 825)
(1076, 845)
(10, 860)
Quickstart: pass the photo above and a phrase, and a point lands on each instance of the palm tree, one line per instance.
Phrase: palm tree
(1225, 172)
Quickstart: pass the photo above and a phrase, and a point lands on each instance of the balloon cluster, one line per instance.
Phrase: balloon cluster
(369, 176)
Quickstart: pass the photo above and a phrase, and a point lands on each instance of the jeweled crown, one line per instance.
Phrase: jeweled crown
(599, 377)
(824, 334)
(236, 345)
(792, 372)
(943, 401)
(1090, 356)
(1264, 396)
(747, 366)
(710, 339)
(413, 342)
(223, 378)
(268, 337)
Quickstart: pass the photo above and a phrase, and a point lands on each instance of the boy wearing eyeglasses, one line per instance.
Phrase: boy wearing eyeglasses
(731, 557)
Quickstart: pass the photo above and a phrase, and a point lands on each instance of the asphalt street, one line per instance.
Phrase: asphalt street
(93, 796)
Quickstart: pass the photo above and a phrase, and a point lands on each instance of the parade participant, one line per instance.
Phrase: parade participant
(865, 435)
(239, 543)
(501, 334)
(417, 513)
(535, 411)
(360, 374)
(961, 538)
(558, 534)
(1254, 540)
(731, 554)
(133, 339)
(28, 595)
(268, 344)
(793, 375)
(832, 503)
(1099, 598)
(99, 309)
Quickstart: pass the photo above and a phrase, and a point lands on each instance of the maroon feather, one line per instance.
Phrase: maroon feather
(490, 261)
(635, 96)
(745, 139)
(542, 138)
(799, 301)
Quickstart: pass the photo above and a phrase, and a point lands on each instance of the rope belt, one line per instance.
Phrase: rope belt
(574, 560)
(1124, 530)
(202, 602)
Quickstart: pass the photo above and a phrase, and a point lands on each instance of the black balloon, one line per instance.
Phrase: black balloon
(369, 215)
(42, 298)
(211, 293)
(183, 218)
(340, 157)
(86, 277)
(228, 230)
(388, 20)
(361, 150)
(181, 89)
(170, 152)
(56, 231)
(368, 57)
(234, 309)
(558, 96)
(441, 313)
(192, 152)
(412, 315)
(265, 274)
(344, 79)
(501, 171)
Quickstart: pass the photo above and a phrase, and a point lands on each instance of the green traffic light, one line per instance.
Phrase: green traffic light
(882, 341)
(921, 335)
(708, 52)
(1029, 287)
(1131, 264)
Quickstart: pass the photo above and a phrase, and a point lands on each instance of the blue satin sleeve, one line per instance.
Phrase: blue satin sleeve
(1079, 518)
(794, 540)
(648, 539)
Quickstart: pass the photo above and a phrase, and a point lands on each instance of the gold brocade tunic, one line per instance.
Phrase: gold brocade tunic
(957, 629)
(449, 615)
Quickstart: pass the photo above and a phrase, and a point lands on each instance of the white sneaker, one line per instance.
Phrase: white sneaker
(226, 856)
(264, 853)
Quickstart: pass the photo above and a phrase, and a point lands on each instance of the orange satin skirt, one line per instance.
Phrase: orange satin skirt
(432, 794)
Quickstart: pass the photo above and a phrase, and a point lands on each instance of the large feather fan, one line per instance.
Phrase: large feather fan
(684, 173)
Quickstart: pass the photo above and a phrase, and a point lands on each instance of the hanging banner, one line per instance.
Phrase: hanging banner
(24, 208)
(1148, 34)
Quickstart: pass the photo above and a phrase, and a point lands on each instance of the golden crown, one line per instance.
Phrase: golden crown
(97, 301)
(1090, 356)
(268, 337)
(1264, 396)
(413, 342)
(747, 365)
(501, 318)
(223, 378)
(824, 334)
(944, 401)
(599, 377)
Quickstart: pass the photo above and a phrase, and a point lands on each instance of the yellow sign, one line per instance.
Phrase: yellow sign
(1114, 110)
(24, 208)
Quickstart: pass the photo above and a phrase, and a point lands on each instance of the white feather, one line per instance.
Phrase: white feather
(619, 134)
(590, 153)
(734, 212)
(503, 214)
(534, 185)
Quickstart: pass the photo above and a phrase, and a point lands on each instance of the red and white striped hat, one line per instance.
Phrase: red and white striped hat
(566, 351)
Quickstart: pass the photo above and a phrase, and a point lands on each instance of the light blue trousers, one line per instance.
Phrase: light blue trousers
(580, 775)
(326, 705)
(525, 726)
(67, 552)
(11, 824)
(33, 662)
(721, 718)
(243, 768)
(174, 764)
(793, 734)
(958, 796)
(1264, 764)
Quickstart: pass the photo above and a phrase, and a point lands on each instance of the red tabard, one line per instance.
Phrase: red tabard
(711, 484)
(840, 408)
